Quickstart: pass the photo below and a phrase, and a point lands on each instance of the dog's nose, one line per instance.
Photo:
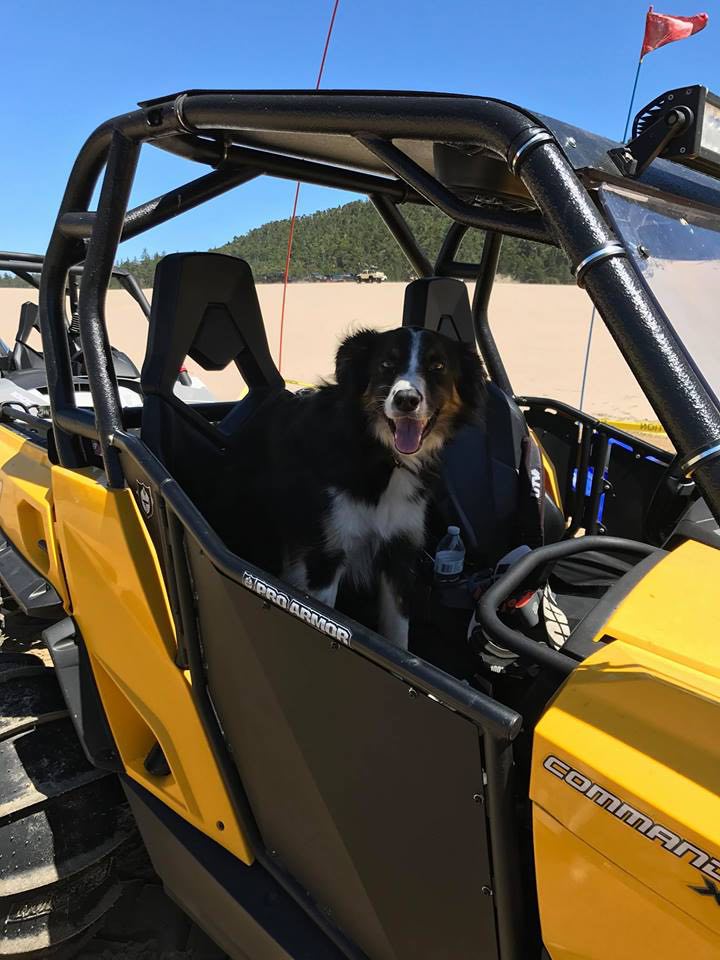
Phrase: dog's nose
(406, 400)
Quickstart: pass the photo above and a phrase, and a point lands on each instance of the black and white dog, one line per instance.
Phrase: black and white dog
(346, 470)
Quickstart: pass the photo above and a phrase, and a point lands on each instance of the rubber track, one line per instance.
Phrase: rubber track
(63, 824)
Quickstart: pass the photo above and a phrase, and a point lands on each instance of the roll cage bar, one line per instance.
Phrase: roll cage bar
(391, 147)
(28, 267)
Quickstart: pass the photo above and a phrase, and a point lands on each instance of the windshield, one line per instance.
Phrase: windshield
(677, 251)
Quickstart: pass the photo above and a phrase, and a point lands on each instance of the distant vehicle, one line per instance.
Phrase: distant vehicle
(341, 277)
(318, 278)
(371, 275)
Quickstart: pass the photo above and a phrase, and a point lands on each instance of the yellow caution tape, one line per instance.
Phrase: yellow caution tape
(635, 426)
(301, 383)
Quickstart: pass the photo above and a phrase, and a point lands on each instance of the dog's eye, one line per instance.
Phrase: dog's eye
(387, 364)
(438, 365)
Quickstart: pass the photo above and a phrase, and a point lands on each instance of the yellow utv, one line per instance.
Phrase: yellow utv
(519, 784)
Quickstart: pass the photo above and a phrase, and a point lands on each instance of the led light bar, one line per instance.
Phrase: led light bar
(682, 125)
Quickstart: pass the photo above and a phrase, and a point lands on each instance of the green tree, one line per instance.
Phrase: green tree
(348, 238)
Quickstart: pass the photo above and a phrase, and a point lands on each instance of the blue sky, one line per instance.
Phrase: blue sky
(68, 66)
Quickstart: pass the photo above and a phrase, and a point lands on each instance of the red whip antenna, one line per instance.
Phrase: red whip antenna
(297, 194)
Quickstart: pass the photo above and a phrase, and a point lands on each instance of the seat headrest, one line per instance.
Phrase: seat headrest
(28, 320)
(440, 304)
(205, 306)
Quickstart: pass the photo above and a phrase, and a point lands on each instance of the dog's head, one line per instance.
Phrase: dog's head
(415, 385)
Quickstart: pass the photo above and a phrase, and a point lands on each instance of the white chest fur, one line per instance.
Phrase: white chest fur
(358, 528)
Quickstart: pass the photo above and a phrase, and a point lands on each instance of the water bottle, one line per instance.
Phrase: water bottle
(449, 557)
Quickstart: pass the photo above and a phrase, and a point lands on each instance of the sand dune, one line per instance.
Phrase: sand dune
(541, 331)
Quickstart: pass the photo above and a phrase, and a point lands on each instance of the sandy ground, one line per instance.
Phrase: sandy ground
(541, 330)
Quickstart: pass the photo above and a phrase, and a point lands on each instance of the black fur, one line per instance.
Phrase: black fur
(310, 444)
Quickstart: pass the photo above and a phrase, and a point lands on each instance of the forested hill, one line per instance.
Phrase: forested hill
(346, 239)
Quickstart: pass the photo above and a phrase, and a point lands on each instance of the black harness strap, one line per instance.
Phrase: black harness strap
(531, 494)
(493, 483)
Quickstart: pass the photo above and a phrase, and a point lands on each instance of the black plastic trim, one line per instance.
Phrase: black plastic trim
(198, 873)
(75, 676)
(35, 595)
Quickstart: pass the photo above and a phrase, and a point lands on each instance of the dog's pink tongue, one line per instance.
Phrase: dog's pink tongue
(408, 434)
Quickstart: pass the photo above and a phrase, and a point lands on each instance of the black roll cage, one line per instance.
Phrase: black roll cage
(29, 266)
(357, 135)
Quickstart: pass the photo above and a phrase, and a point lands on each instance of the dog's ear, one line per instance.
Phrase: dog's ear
(473, 377)
(352, 361)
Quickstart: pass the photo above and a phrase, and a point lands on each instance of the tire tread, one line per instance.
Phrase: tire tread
(65, 826)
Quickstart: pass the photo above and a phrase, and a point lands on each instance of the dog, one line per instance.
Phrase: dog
(342, 484)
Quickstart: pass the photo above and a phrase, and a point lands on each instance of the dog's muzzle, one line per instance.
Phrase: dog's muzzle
(406, 412)
(406, 401)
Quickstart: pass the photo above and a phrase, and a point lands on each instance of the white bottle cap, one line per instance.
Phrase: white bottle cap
(454, 531)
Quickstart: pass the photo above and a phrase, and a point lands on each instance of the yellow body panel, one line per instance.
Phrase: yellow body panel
(591, 910)
(120, 605)
(640, 719)
(26, 505)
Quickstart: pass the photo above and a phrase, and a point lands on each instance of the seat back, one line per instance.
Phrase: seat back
(490, 471)
(440, 304)
(481, 487)
(24, 357)
(204, 306)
